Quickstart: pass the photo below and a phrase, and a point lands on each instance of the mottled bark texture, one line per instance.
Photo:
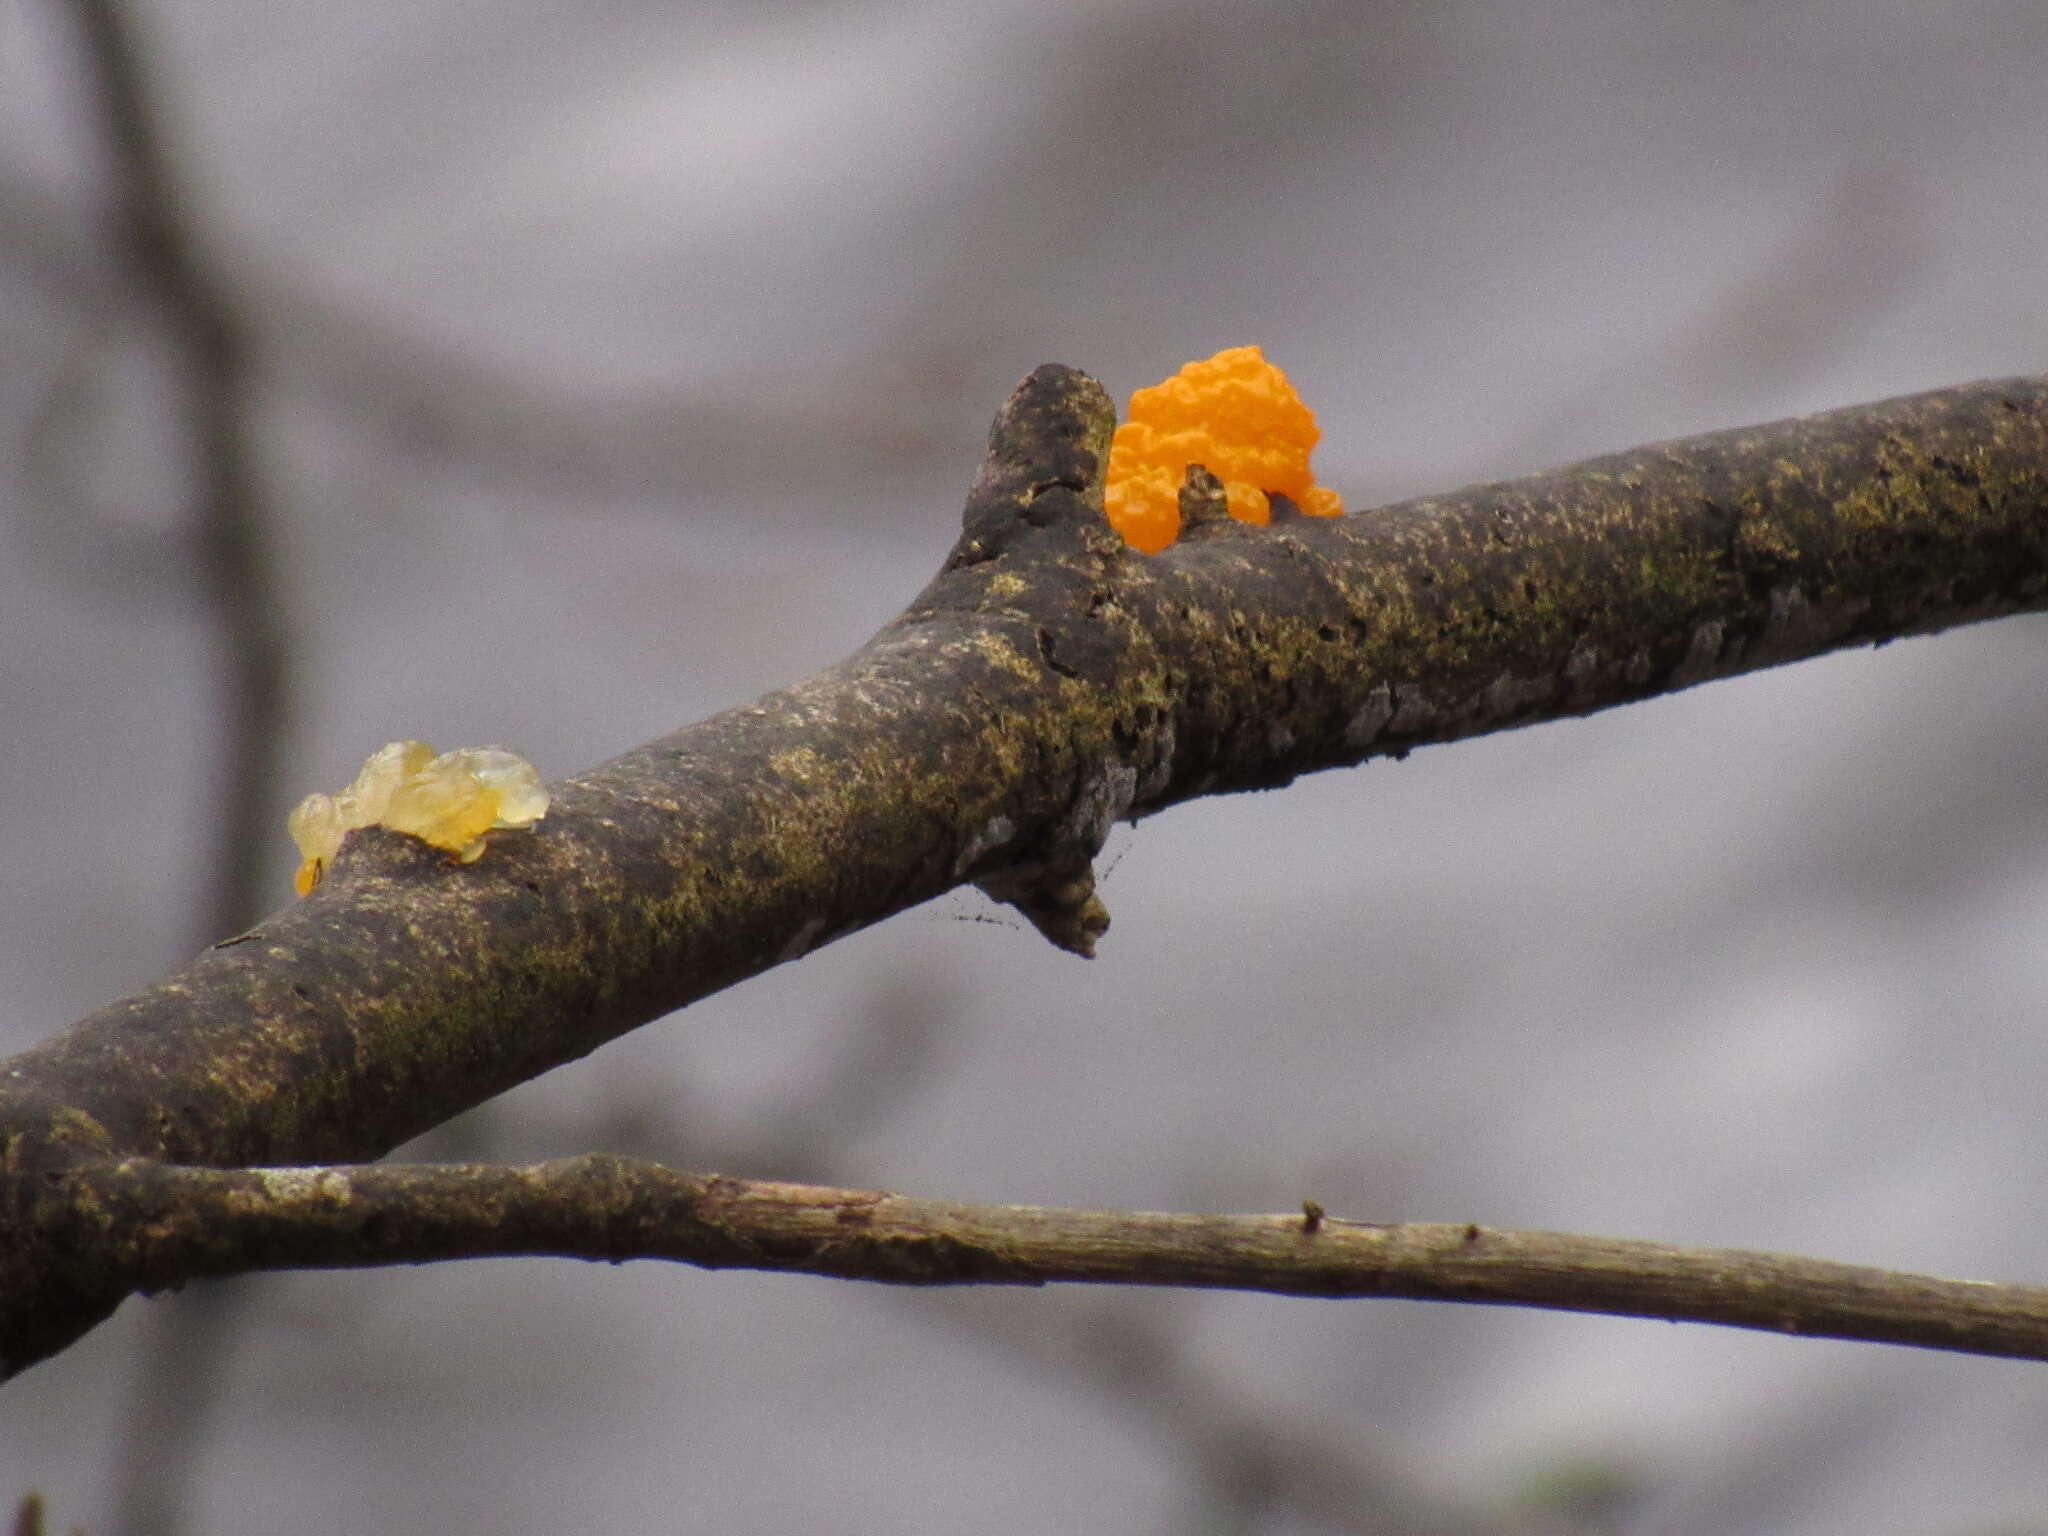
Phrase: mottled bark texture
(1049, 682)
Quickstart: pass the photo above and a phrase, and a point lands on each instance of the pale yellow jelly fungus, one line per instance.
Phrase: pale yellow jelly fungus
(1236, 415)
(450, 801)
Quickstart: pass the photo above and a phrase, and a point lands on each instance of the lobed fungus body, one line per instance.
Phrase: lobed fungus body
(450, 801)
(1237, 416)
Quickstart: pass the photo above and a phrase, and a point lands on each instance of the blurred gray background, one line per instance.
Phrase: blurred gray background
(615, 362)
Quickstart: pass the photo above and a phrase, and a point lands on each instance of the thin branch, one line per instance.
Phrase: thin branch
(177, 1368)
(169, 1224)
(213, 353)
(1250, 1455)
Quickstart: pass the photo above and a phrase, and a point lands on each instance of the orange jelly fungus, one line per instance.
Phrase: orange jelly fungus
(1236, 415)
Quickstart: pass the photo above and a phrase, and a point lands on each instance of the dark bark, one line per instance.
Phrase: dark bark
(1049, 682)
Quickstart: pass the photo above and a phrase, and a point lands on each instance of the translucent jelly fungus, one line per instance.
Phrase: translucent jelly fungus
(450, 801)
(1236, 415)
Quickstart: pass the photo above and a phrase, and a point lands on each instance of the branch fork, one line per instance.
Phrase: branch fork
(1049, 682)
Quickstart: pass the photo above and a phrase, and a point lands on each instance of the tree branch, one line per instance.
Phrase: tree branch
(1047, 683)
(213, 351)
(168, 1224)
(233, 569)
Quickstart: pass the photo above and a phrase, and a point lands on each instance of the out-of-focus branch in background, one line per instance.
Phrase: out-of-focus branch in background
(157, 246)
(154, 233)
(1252, 1462)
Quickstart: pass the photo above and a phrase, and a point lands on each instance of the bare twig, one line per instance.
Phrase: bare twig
(1251, 1456)
(168, 1224)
